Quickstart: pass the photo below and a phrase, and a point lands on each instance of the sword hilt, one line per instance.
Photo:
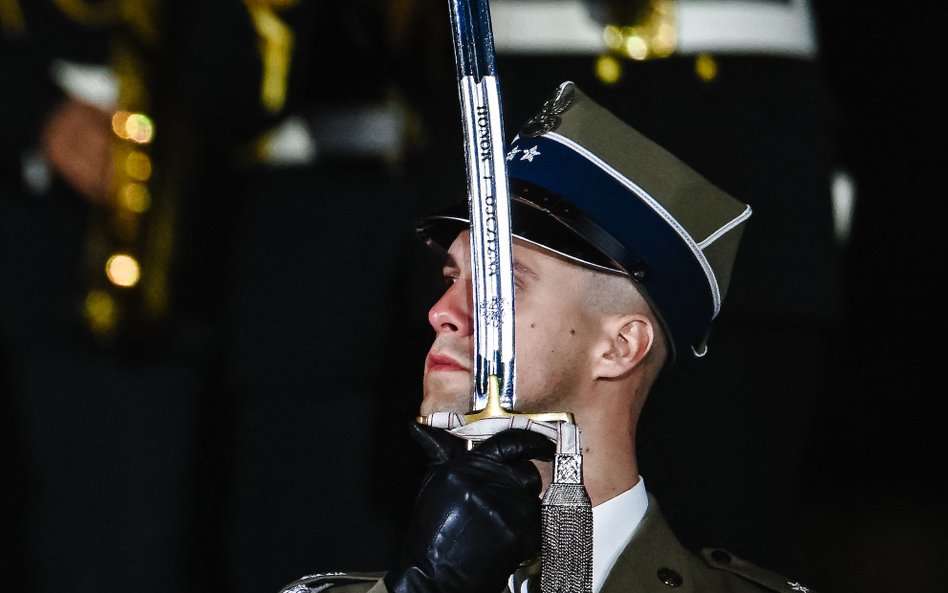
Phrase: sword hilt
(493, 409)
(542, 422)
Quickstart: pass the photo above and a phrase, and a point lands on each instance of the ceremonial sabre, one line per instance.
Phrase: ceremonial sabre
(489, 205)
(489, 209)
(567, 513)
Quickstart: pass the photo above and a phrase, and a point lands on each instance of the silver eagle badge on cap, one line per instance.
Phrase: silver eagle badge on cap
(549, 116)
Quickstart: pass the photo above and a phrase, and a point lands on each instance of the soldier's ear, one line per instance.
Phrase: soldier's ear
(627, 340)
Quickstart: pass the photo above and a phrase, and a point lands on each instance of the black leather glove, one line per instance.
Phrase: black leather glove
(477, 516)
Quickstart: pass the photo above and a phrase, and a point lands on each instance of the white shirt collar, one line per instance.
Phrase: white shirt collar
(614, 522)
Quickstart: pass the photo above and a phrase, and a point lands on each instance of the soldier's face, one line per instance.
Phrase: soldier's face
(553, 346)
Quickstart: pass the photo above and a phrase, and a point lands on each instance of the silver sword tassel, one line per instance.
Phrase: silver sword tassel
(567, 521)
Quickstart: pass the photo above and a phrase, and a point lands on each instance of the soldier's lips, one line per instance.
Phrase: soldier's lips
(442, 363)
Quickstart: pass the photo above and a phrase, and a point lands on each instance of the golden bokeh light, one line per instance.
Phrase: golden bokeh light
(135, 197)
(136, 127)
(653, 33)
(608, 69)
(118, 124)
(123, 270)
(665, 41)
(138, 165)
(706, 67)
(139, 128)
(100, 311)
(635, 47)
(612, 37)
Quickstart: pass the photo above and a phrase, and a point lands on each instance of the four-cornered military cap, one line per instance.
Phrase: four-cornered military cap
(587, 186)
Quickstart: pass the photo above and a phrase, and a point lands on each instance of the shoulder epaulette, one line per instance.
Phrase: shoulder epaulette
(724, 560)
(315, 583)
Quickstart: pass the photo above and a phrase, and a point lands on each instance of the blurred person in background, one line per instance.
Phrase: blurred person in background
(177, 184)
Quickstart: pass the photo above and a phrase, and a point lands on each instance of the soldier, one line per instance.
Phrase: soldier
(622, 257)
(685, 72)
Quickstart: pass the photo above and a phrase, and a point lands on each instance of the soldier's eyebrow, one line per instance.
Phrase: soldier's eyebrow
(449, 261)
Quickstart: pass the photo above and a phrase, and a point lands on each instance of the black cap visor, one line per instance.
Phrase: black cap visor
(546, 220)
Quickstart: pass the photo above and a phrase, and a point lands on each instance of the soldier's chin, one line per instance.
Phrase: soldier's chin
(446, 394)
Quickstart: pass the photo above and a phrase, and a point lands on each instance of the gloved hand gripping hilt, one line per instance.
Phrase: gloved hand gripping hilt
(567, 523)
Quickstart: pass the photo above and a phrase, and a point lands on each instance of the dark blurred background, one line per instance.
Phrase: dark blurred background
(227, 406)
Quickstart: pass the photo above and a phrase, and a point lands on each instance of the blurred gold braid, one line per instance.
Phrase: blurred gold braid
(275, 45)
(139, 230)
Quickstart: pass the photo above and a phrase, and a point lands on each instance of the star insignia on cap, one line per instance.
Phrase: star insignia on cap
(513, 152)
(529, 154)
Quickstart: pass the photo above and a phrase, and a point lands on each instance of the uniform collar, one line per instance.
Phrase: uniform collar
(653, 561)
(614, 523)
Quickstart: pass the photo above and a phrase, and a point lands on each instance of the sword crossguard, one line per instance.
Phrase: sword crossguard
(493, 409)
(543, 422)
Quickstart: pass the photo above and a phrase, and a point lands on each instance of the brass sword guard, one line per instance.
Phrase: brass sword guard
(493, 409)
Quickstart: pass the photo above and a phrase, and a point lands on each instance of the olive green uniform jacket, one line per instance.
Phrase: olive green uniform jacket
(653, 562)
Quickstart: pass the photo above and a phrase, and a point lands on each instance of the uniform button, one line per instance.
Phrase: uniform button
(721, 556)
(669, 577)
